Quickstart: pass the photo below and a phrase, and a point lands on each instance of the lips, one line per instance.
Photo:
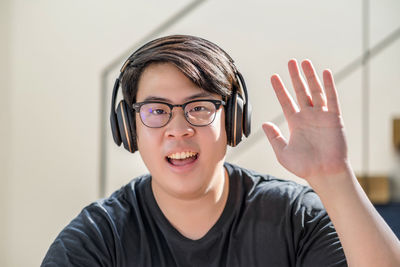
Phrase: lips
(182, 158)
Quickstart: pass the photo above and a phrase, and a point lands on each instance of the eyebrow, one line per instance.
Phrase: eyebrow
(156, 98)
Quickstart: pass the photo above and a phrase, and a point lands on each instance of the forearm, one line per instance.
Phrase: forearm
(366, 238)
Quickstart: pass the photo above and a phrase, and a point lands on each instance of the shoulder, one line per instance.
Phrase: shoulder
(120, 203)
(283, 206)
(272, 189)
(98, 229)
(276, 198)
(119, 211)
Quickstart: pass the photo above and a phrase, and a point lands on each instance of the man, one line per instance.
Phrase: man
(184, 101)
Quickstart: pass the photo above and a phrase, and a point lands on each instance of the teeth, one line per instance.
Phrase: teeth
(182, 155)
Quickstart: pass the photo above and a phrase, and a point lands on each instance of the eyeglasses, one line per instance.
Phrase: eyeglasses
(157, 114)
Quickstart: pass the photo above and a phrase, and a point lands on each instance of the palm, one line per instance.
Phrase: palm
(317, 145)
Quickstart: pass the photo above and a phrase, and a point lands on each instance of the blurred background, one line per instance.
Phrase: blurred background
(59, 60)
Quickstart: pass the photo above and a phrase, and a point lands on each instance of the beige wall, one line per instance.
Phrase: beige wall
(54, 52)
(5, 122)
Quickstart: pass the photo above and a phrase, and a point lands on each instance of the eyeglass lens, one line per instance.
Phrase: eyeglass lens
(199, 113)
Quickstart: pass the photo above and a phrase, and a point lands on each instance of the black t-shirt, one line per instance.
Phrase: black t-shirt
(266, 222)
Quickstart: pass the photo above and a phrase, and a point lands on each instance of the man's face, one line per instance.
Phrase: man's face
(203, 169)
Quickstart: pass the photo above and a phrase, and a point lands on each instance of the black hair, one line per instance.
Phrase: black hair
(203, 62)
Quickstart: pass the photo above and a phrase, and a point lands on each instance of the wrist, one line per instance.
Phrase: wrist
(323, 183)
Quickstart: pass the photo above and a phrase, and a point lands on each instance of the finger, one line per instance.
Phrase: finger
(275, 137)
(331, 92)
(289, 107)
(317, 94)
(302, 94)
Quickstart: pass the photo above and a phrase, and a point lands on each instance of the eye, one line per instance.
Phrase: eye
(157, 111)
(199, 108)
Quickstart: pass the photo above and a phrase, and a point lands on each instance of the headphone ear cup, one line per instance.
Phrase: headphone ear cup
(132, 124)
(229, 119)
(124, 126)
(114, 128)
(234, 119)
(238, 116)
(247, 119)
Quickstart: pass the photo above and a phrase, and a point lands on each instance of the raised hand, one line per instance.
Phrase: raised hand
(317, 146)
(317, 151)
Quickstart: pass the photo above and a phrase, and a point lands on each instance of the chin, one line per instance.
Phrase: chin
(184, 186)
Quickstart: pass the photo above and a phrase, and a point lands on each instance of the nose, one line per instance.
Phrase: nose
(178, 127)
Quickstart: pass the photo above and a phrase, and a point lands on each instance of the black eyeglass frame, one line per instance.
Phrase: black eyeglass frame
(217, 104)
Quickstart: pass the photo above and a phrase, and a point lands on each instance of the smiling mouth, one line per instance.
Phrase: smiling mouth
(182, 158)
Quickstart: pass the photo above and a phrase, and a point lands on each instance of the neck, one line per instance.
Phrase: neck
(194, 217)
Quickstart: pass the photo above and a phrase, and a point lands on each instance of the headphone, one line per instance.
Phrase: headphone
(237, 113)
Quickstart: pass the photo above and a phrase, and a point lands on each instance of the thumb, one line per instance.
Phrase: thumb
(275, 137)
